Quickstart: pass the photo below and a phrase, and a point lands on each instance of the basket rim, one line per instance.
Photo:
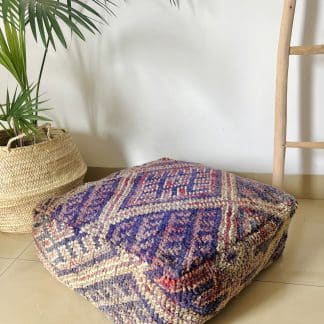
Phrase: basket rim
(44, 142)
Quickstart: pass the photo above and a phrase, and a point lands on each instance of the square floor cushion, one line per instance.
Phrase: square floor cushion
(165, 242)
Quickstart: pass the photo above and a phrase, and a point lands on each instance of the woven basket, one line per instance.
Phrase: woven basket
(32, 173)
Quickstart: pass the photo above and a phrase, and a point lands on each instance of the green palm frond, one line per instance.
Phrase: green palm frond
(13, 51)
(47, 18)
(20, 112)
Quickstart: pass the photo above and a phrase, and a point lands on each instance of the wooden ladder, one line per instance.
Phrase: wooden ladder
(284, 51)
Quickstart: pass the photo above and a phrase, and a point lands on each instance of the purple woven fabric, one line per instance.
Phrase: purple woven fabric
(165, 242)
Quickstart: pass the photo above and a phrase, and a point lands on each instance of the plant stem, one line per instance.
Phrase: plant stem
(41, 74)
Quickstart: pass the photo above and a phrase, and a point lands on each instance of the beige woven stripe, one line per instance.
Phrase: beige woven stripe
(104, 270)
(112, 207)
(279, 209)
(226, 196)
(233, 228)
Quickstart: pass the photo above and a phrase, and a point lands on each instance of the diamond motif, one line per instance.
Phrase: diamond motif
(174, 184)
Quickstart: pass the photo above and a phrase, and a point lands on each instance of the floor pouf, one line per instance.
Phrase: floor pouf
(165, 242)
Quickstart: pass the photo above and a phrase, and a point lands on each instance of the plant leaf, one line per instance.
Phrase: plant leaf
(48, 18)
(20, 112)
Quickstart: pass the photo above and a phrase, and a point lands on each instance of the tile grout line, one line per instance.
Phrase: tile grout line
(14, 259)
(24, 250)
(6, 258)
(7, 267)
(290, 283)
(19, 256)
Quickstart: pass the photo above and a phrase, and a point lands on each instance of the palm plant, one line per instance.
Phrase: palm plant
(49, 21)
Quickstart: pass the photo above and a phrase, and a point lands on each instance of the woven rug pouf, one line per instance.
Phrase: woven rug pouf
(165, 242)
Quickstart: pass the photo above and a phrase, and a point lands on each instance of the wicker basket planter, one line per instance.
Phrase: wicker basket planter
(32, 173)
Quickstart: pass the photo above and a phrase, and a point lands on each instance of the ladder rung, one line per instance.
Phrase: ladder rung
(310, 145)
(307, 50)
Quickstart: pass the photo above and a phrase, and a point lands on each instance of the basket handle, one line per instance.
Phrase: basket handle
(46, 126)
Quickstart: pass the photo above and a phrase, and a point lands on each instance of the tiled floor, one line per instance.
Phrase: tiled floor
(290, 292)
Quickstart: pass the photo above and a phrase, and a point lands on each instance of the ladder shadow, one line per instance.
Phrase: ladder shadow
(306, 100)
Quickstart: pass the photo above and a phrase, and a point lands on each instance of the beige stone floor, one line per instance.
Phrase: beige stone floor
(290, 292)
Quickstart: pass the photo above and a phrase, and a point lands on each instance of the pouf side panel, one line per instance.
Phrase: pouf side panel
(237, 282)
(120, 288)
(208, 288)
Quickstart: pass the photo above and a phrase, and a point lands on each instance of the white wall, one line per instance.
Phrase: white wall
(194, 84)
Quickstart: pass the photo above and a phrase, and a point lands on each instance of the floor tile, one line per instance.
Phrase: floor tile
(11, 245)
(303, 259)
(30, 295)
(29, 253)
(4, 263)
(268, 303)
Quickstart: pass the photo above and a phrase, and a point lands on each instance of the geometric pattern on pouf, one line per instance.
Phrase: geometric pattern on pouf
(165, 242)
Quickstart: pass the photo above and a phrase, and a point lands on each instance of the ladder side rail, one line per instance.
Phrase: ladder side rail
(280, 135)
